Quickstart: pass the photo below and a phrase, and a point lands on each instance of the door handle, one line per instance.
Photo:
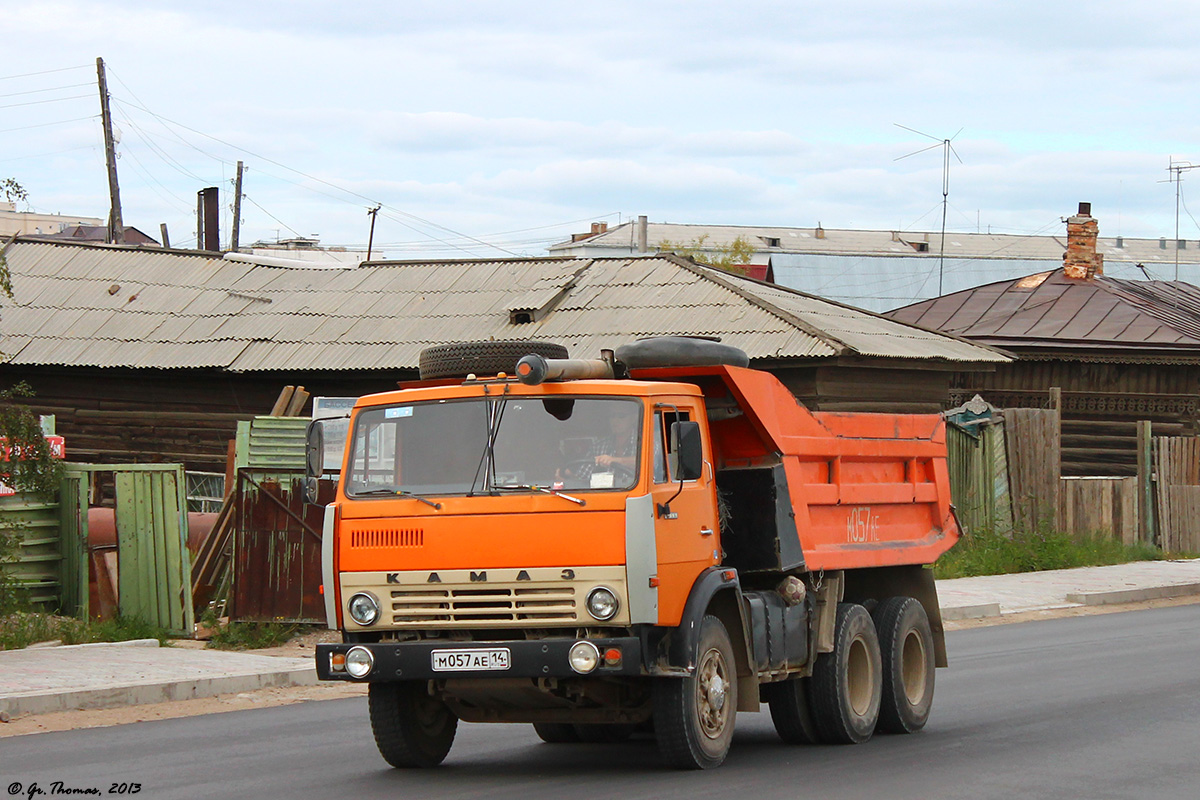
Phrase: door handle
(706, 531)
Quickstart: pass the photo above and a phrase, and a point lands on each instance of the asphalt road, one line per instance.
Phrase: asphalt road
(1092, 707)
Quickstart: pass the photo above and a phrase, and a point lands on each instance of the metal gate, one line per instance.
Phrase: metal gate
(154, 566)
(277, 561)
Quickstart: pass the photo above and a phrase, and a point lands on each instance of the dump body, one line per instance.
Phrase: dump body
(866, 490)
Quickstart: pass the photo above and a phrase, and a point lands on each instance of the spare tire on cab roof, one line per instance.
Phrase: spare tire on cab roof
(460, 359)
(680, 351)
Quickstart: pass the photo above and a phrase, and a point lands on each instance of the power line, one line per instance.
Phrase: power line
(332, 185)
(44, 72)
(269, 214)
(41, 102)
(54, 153)
(51, 89)
(48, 124)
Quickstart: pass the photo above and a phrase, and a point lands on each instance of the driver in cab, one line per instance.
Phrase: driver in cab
(615, 452)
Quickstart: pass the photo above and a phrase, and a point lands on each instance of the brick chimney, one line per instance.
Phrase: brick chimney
(1081, 261)
(597, 229)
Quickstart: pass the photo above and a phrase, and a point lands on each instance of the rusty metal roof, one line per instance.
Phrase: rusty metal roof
(101, 306)
(1050, 310)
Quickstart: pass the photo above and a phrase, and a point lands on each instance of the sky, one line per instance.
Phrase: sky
(489, 129)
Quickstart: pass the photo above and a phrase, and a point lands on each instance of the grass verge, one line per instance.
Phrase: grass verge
(21, 629)
(253, 635)
(987, 552)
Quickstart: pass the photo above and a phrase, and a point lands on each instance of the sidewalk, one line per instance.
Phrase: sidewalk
(46, 679)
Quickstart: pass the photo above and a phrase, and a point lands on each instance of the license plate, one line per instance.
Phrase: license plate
(470, 660)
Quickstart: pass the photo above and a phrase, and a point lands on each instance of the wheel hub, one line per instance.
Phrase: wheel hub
(712, 690)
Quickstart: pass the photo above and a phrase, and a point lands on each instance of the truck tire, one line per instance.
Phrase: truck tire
(847, 684)
(613, 733)
(906, 645)
(556, 732)
(694, 716)
(790, 712)
(412, 729)
(679, 351)
(460, 359)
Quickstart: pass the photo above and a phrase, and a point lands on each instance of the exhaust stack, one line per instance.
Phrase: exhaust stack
(534, 369)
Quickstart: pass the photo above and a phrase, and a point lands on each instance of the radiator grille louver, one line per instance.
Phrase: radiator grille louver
(387, 537)
(465, 607)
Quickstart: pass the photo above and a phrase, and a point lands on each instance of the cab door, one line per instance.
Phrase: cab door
(685, 513)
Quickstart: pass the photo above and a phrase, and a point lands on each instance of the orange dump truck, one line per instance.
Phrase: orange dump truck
(649, 542)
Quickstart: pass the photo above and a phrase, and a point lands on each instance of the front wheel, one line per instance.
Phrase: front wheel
(411, 727)
(694, 716)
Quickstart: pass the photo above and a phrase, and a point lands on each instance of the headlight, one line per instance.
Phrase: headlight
(364, 609)
(602, 603)
(359, 662)
(584, 657)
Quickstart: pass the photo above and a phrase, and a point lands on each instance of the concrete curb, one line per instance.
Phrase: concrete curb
(160, 692)
(1133, 595)
(971, 612)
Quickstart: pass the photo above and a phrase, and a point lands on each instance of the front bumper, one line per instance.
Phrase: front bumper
(539, 658)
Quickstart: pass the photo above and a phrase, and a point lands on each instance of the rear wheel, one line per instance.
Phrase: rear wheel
(846, 685)
(411, 727)
(556, 732)
(906, 644)
(788, 701)
(694, 716)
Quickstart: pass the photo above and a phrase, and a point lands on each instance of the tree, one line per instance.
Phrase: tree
(731, 257)
(13, 190)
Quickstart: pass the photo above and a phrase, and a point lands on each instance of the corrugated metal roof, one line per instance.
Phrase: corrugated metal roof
(102, 306)
(1052, 310)
(880, 243)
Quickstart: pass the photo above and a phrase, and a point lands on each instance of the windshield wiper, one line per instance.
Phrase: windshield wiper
(383, 491)
(528, 487)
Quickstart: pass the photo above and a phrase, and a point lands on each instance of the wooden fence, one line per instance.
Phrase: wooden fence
(1105, 507)
(1020, 467)
(1177, 469)
(1032, 439)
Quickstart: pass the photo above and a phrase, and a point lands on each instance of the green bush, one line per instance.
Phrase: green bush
(250, 635)
(989, 552)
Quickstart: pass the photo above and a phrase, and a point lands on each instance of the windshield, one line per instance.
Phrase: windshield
(441, 447)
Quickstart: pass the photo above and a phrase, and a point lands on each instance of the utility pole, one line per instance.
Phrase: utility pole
(116, 227)
(371, 237)
(237, 209)
(1177, 168)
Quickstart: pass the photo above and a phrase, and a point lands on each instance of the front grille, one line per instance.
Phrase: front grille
(463, 606)
(387, 537)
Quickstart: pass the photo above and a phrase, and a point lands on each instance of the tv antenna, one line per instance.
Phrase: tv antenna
(1177, 168)
(947, 149)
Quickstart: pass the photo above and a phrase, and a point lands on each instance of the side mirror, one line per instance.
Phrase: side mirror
(314, 449)
(314, 460)
(689, 451)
